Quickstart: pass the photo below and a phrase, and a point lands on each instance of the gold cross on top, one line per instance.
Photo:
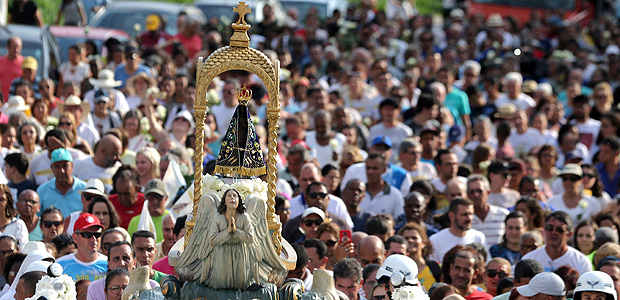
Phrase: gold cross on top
(242, 9)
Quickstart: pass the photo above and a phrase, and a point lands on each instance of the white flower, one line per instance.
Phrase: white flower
(409, 292)
(333, 143)
(55, 288)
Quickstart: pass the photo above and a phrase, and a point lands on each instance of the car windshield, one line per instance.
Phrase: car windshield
(547, 4)
(125, 20)
(29, 49)
(303, 7)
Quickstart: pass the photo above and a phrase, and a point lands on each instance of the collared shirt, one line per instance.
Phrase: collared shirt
(610, 184)
(68, 202)
(492, 226)
(388, 201)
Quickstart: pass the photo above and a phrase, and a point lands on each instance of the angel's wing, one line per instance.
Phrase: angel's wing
(192, 262)
(263, 251)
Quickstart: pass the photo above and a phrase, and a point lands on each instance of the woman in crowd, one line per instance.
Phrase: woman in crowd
(329, 233)
(28, 139)
(9, 223)
(533, 213)
(64, 245)
(103, 209)
(109, 237)
(147, 164)
(496, 269)
(583, 236)
(115, 283)
(137, 86)
(573, 201)
(419, 248)
(547, 157)
(9, 135)
(610, 127)
(67, 122)
(593, 186)
(516, 225)
(133, 129)
(41, 113)
(331, 177)
(51, 223)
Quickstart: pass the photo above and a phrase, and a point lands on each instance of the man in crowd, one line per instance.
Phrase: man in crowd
(409, 153)
(609, 164)
(352, 195)
(128, 200)
(26, 288)
(463, 271)
(62, 192)
(28, 207)
(447, 166)
(12, 64)
(143, 243)
(15, 169)
(381, 197)
(87, 263)
(317, 254)
(488, 219)
(371, 250)
(40, 167)
(155, 192)
(348, 278)
(461, 215)
(104, 163)
(30, 65)
(544, 285)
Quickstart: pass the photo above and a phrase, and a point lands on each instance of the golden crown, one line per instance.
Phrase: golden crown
(244, 95)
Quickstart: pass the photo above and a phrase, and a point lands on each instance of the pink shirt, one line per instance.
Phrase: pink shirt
(192, 44)
(163, 266)
(11, 69)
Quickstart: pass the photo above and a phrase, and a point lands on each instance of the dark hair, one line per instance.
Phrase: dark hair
(17, 160)
(125, 172)
(19, 133)
(456, 202)
(51, 210)
(607, 217)
(110, 231)
(428, 249)
(547, 147)
(142, 234)
(569, 275)
(30, 281)
(612, 142)
(315, 183)
(534, 208)
(448, 260)
(369, 269)
(329, 167)
(222, 207)
(597, 189)
(378, 225)
(440, 290)
(9, 211)
(11, 238)
(513, 215)
(179, 225)
(348, 268)
(302, 256)
(57, 133)
(440, 153)
(427, 189)
(376, 156)
(113, 274)
(527, 268)
(395, 239)
(504, 283)
(321, 248)
(562, 217)
(503, 131)
(114, 218)
(426, 101)
(63, 241)
(10, 260)
(584, 223)
(121, 243)
(614, 118)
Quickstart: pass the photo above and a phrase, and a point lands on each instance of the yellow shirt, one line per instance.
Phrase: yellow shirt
(426, 278)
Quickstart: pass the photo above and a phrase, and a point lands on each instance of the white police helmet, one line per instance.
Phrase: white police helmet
(595, 281)
(400, 269)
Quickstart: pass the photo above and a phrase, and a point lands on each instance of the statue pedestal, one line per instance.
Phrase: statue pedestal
(195, 290)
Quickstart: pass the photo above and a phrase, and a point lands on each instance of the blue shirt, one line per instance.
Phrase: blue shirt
(80, 270)
(610, 184)
(121, 74)
(49, 195)
(458, 104)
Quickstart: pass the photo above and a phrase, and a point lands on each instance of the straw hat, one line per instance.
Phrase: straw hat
(506, 111)
(15, 105)
(495, 20)
(75, 101)
(149, 80)
(105, 80)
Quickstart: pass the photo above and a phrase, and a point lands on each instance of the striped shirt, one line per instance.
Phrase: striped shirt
(493, 225)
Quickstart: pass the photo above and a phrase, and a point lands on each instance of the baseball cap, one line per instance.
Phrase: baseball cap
(456, 133)
(155, 186)
(152, 22)
(546, 283)
(386, 140)
(61, 154)
(313, 210)
(85, 221)
(573, 154)
(95, 186)
(30, 63)
(572, 169)
(102, 95)
(431, 126)
(499, 166)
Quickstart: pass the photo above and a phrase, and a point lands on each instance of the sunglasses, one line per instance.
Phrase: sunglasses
(314, 195)
(571, 178)
(492, 273)
(557, 229)
(330, 243)
(88, 235)
(378, 297)
(89, 197)
(312, 222)
(48, 224)
(476, 191)
(589, 175)
(64, 124)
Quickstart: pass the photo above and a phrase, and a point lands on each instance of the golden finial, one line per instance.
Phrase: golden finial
(240, 37)
(244, 95)
(242, 9)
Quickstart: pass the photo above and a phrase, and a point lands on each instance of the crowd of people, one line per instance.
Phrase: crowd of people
(484, 150)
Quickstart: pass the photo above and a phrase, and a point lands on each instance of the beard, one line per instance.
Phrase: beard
(462, 227)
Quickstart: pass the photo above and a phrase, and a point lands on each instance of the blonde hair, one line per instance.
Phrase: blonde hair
(608, 249)
(153, 156)
(71, 118)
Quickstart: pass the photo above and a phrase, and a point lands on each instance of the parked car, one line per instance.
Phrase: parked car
(39, 43)
(71, 35)
(130, 16)
(325, 8)
(224, 8)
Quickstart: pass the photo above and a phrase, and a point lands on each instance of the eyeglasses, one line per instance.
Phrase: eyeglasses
(314, 195)
(64, 124)
(330, 243)
(589, 175)
(88, 235)
(312, 222)
(557, 229)
(117, 289)
(492, 273)
(571, 178)
(48, 224)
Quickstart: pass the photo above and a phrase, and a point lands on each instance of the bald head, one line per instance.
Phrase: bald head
(14, 46)
(455, 189)
(308, 174)
(28, 203)
(371, 251)
(108, 151)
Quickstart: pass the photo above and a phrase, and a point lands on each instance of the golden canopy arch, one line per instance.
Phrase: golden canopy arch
(239, 56)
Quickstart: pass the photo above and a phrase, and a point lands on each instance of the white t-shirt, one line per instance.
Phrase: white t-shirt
(472, 145)
(524, 142)
(389, 201)
(40, 167)
(444, 240)
(88, 133)
(17, 229)
(88, 170)
(113, 120)
(506, 199)
(588, 132)
(572, 257)
(492, 226)
(358, 171)
(587, 207)
(223, 114)
(324, 154)
(523, 101)
(396, 134)
(120, 102)
(335, 207)
(424, 171)
(71, 73)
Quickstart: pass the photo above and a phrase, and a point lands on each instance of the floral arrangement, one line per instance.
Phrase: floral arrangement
(55, 288)
(245, 187)
(409, 292)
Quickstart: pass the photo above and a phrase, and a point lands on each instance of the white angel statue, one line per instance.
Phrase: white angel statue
(229, 247)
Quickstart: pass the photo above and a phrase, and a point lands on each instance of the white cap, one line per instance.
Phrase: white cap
(95, 186)
(546, 283)
(313, 210)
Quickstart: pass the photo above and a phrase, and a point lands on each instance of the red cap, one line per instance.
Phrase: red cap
(85, 221)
